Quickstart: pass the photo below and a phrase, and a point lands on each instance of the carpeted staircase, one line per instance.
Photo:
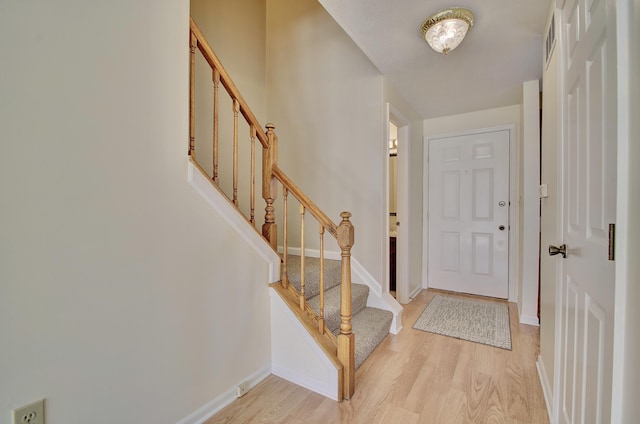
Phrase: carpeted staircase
(370, 325)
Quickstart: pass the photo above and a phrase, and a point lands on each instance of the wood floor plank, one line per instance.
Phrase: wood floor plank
(397, 415)
(415, 377)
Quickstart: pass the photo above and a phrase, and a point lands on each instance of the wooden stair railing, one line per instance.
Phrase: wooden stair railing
(272, 176)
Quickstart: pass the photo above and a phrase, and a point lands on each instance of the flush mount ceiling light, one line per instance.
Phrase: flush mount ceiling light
(445, 29)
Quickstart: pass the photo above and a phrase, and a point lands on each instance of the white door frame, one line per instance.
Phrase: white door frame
(392, 114)
(514, 193)
(625, 343)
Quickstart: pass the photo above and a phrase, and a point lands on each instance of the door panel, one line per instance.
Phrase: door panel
(587, 207)
(482, 253)
(482, 195)
(468, 213)
(451, 195)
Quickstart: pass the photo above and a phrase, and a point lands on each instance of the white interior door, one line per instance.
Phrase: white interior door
(469, 213)
(588, 204)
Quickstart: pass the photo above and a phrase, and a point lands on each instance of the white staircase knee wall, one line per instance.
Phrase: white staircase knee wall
(295, 355)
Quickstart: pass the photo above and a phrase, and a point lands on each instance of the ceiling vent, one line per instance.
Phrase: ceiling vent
(550, 41)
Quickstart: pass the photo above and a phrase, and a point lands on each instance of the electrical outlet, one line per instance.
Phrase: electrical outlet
(30, 414)
(242, 389)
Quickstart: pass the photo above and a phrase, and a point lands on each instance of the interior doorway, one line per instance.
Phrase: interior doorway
(397, 151)
(393, 202)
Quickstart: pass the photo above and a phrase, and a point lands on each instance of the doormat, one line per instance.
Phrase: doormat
(467, 319)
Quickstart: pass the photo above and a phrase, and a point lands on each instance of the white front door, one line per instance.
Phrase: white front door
(469, 213)
(588, 205)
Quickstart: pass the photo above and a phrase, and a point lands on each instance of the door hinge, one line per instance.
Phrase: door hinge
(612, 242)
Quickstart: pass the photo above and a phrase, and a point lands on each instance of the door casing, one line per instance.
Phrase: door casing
(514, 193)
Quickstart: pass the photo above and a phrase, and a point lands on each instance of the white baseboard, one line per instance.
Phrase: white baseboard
(388, 303)
(305, 381)
(363, 276)
(415, 292)
(209, 409)
(529, 320)
(546, 387)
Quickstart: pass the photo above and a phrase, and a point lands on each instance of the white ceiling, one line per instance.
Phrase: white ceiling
(502, 50)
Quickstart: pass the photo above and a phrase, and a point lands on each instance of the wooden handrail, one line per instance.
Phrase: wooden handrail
(227, 82)
(321, 321)
(322, 218)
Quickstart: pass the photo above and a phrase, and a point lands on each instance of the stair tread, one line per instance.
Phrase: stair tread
(359, 296)
(371, 326)
(332, 274)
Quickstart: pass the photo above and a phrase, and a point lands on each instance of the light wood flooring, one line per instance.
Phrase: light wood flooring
(415, 377)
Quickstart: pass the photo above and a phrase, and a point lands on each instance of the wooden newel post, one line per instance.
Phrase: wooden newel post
(346, 339)
(269, 192)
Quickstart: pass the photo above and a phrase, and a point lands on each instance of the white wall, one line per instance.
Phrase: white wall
(326, 99)
(548, 216)
(470, 121)
(530, 203)
(122, 297)
(236, 32)
(626, 407)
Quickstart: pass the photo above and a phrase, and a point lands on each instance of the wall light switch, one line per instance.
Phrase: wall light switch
(544, 190)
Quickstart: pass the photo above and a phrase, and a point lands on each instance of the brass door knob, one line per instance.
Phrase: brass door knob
(562, 249)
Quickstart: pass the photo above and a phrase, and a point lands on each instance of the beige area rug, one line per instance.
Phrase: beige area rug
(477, 321)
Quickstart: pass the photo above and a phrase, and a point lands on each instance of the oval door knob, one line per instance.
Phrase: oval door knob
(562, 249)
(397, 223)
(501, 228)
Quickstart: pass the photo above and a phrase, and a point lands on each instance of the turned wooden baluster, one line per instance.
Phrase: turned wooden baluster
(193, 43)
(285, 253)
(252, 194)
(216, 86)
(302, 255)
(346, 339)
(321, 315)
(269, 193)
(236, 109)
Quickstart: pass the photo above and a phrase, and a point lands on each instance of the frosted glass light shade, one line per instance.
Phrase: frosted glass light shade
(445, 30)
